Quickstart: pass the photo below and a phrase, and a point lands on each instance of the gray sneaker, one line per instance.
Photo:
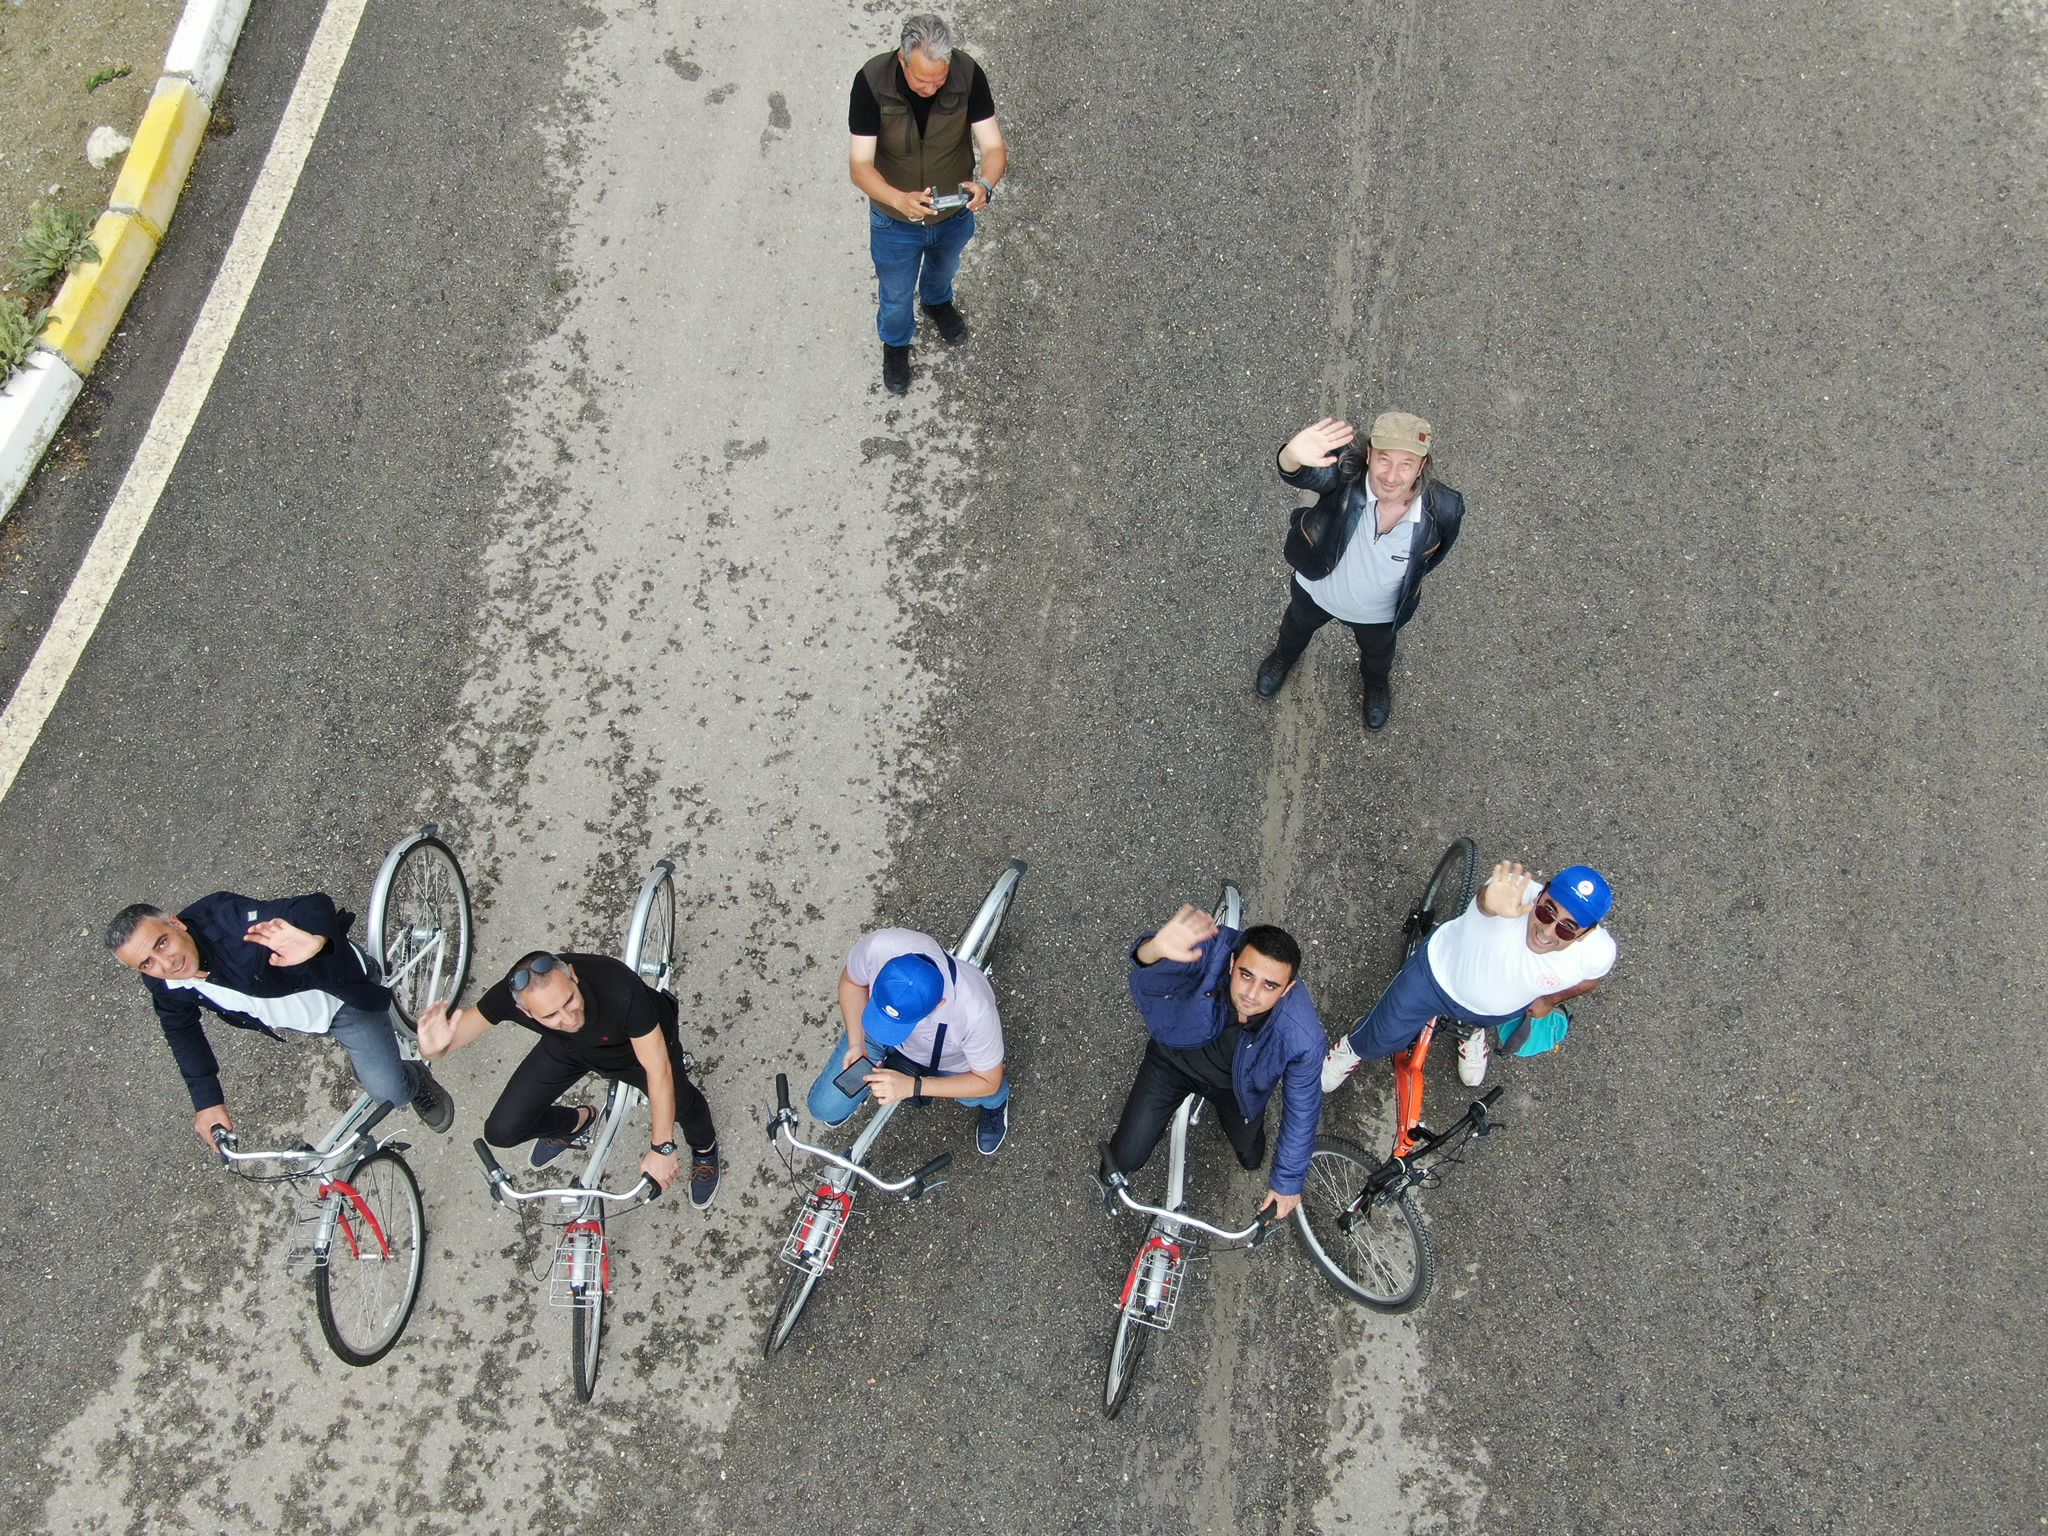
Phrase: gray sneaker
(434, 1104)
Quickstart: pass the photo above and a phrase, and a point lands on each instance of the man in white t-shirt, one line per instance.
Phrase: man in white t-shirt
(1523, 947)
(927, 1024)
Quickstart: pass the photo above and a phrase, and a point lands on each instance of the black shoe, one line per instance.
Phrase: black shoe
(434, 1104)
(1379, 702)
(896, 369)
(1272, 673)
(547, 1148)
(951, 323)
(703, 1176)
(995, 1125)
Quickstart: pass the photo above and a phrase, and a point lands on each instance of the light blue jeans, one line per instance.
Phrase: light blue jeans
(371, 1041)
(831, 1107)
(920, 259)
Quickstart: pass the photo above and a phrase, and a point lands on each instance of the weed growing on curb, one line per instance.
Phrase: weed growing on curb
(56, 240)
(108, 77)
(18, 332)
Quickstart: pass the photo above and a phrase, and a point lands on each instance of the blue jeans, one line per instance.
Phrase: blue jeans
(831, 1107)
(1411, 1000)
(900, 250)
(372, 1048)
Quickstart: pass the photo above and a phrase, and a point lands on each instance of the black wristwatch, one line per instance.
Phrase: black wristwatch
(665, 1148)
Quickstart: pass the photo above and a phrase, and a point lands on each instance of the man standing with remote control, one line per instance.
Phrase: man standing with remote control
(919, 116)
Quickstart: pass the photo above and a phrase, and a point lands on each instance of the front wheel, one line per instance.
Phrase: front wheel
(365, 1286)
(586, 1336)
(795, 1295)
(1380, 1257)
(1127, 1345)
(419, 924)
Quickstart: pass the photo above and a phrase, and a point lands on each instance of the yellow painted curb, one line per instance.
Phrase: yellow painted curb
(161, 158)
(93, 297)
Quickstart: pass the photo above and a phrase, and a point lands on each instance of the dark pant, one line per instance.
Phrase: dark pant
(527, 1108)
(1304, 616)
(1165, 1077)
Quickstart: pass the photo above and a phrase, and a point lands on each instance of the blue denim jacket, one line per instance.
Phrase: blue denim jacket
(1187, 1004)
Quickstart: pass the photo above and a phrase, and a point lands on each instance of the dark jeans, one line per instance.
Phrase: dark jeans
(1165, 1077)
(1304, 616)
(527, 1108)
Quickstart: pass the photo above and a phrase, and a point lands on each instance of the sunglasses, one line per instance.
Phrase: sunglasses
(1551, 916)
(539, 965)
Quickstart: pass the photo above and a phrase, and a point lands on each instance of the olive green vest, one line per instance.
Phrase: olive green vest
(943, 156)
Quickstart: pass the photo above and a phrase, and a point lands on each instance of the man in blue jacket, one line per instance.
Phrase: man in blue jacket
(1229, 1020)
(275, 966)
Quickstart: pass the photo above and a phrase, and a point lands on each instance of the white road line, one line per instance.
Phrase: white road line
(78, 616)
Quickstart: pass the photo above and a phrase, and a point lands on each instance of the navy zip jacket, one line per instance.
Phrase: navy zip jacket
(1443, 512)
(218, 923)
(1186, 1003)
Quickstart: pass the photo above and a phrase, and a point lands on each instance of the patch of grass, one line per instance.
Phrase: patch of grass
(18, 332)
(107, 77)
(56, 240)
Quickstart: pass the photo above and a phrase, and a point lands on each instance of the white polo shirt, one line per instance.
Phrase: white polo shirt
(974, 1030)
(1366, 585)
(1485, 964)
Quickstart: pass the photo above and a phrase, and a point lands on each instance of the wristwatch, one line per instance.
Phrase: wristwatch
(987, 188)
(665, 1148)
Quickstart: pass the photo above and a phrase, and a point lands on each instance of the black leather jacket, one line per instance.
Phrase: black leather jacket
(1443, 510)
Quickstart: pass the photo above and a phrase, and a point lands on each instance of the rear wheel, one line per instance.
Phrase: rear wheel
(365, 1289)
(651, 936)
(419, 924)
(586, 1314)
(979, 940)
(1380, 1257)
(795, 1294)
(1448, 893)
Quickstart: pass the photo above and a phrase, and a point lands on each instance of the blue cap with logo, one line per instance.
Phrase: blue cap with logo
(905, 993)
(1583, 892)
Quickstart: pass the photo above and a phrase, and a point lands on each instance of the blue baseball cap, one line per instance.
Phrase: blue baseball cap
(1583, 892)
(906, 992)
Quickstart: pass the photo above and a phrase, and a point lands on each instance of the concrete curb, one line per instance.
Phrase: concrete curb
(95, 296)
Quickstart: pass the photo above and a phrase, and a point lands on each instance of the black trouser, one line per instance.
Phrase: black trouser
(527, 1108)
(1304, 616)
(1165, 1077)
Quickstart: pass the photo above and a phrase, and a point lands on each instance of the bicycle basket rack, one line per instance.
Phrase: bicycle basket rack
(1175, 1253)
(303, 1255)
(813, 1240)
(569, 1275)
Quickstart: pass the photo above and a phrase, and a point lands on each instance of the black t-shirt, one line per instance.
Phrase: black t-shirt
(618, 1008)
(864, 113)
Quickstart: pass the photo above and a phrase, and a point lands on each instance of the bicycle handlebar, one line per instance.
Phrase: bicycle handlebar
(502, 1191)
(916, 1185)
(226, 1146)
(1478, 1114)
(1262, 1223)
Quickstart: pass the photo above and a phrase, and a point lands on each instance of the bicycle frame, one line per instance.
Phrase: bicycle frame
(1412, 1169)
(813, 1242)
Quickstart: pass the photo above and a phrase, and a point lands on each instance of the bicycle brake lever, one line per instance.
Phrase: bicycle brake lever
(922, 1183)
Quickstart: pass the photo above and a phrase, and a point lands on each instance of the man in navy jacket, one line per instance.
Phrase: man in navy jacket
(1229, 1020)
(274, 966)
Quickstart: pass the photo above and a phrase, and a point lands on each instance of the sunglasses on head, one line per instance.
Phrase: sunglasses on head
(539, 965)
(1551, 916)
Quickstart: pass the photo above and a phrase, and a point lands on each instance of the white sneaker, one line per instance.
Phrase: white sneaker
(1339, 1064)
(1473, 1059)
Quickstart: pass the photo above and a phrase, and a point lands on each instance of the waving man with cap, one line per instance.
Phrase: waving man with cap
(1381, 522)
(926, 1024)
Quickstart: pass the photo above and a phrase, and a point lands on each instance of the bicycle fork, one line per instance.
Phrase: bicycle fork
(814, 1241)
(343, 1207)
(1152, 1288)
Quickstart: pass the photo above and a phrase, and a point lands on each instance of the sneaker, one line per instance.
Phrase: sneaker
(995, 1125)
(703, 1176)
(951, 323)
(547, 1148)
(896, 369)
(434, 1104)
(1339, 1064)
(1473, 1058)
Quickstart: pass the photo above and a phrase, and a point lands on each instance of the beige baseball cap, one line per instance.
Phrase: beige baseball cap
(1400, 431)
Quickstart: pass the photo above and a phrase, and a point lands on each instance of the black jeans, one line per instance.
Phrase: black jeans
(1304, 616)
(527, 1108)
(1165, 1077)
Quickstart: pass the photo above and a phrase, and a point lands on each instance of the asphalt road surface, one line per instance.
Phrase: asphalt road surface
(549, 492)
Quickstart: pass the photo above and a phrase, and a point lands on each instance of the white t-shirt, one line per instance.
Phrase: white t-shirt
(1487, 968)
(310, 1013)
(1366, 585)
(974, 1030)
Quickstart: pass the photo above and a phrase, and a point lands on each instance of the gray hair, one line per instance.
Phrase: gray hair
(928, 35)
(126, 921)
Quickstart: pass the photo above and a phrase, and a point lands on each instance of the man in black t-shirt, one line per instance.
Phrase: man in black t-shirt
(592, 1015)
(918, 118)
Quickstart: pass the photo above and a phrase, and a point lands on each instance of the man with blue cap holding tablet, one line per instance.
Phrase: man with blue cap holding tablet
(919, 1024)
